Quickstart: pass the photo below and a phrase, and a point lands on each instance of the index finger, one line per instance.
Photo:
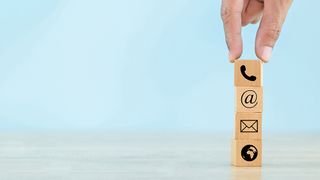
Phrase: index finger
(231, 16)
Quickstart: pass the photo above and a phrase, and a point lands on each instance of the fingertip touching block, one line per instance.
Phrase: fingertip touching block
(247, 153)
(248, 73)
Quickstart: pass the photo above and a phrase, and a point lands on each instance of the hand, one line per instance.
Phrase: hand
(237, 13)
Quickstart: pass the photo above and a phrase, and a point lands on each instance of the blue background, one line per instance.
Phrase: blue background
(146, 66)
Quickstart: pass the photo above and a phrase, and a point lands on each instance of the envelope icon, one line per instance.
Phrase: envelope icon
(248, 126)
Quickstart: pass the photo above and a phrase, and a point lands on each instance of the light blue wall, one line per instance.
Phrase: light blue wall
(141, 65)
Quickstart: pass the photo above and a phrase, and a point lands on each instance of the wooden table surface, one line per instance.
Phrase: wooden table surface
(151, 156)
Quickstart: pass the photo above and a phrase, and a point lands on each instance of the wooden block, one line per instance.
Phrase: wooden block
(247, 153)
(248, 73)
(249, 99)
(248, 126)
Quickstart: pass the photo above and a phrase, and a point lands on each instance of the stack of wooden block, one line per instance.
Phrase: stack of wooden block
(247, 142)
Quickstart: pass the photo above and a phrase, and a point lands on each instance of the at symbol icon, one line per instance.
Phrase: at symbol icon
(249, 99)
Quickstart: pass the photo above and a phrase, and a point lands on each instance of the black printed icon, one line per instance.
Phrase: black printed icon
(249, 152)
(249, 99)
(249, 126)
(244, 74)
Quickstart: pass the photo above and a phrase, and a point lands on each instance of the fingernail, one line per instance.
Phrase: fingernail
(266, 53)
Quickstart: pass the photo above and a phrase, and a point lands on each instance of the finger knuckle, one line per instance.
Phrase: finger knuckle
(273, 32)
(227, 14)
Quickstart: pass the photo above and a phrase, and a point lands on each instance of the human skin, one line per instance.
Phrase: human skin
(238, 13)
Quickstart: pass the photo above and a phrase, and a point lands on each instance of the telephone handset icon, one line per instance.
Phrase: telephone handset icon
(243, 72)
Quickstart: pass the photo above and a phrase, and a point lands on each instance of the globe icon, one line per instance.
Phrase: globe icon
(249, 152)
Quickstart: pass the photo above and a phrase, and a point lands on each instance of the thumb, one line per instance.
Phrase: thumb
(274, 14)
